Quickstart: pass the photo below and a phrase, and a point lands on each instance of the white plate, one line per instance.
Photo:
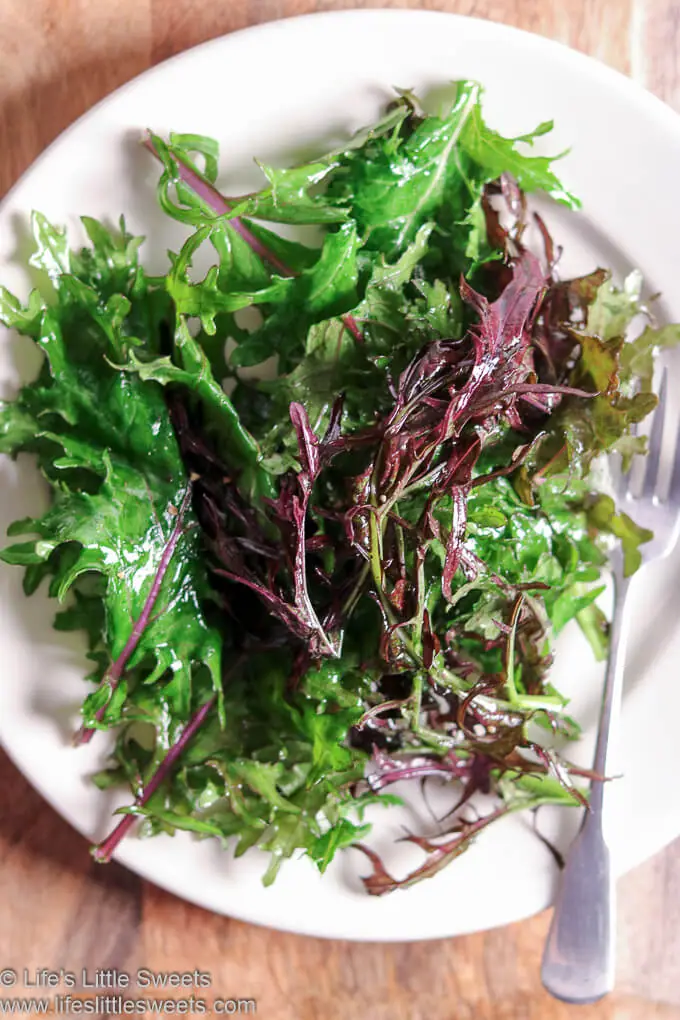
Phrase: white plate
(269, 92)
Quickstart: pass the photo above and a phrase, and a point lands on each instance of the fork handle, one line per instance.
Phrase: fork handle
(579, 959)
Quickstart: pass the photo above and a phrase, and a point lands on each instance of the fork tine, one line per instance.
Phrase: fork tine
(674, 488)
(655, 440)
(620, 480)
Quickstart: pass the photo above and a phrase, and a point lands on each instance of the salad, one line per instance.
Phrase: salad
(346, 567)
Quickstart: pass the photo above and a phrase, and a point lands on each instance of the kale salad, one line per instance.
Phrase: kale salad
(302, 584)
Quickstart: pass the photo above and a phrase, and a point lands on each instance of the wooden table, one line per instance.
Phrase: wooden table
(57, 909)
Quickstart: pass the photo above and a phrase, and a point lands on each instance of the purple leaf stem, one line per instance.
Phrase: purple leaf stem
(117, 668)
(106, 848)
(218, 203)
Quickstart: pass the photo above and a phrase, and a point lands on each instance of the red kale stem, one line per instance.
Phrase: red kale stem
(106, 848)
(117, 668)
(218, 203)
(350, 324)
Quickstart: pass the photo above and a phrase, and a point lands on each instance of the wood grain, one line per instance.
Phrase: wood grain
(57, 908)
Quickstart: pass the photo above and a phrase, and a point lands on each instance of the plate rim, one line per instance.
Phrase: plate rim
(638, 92)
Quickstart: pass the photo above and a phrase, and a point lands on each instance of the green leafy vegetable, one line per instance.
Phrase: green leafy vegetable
(299, 587)
(120, 504)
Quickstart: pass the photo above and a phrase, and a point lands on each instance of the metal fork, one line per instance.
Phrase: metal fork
(579, 957)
